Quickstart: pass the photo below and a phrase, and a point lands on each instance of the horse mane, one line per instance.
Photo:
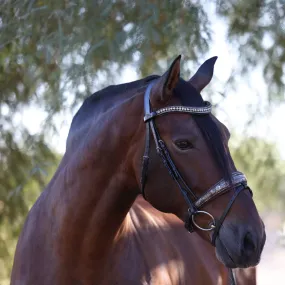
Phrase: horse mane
(111, 93)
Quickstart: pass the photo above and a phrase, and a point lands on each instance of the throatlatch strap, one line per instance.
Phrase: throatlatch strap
(145, 162)
(232, 277)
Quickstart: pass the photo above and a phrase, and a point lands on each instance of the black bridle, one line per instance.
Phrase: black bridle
(238, 183)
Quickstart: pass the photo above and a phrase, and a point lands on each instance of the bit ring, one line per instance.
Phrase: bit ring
(212, 224)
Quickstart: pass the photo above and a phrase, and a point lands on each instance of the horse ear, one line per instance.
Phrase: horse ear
(204, 74)
(162, 90)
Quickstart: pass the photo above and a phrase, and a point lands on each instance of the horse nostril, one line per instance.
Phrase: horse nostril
(248, 244)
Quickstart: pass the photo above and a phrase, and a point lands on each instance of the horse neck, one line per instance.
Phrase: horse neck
(97, 188)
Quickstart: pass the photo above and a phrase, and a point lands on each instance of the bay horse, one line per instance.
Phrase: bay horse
(156, 137)
(160, 240)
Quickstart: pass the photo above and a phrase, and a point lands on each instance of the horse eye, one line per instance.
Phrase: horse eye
(184, 144)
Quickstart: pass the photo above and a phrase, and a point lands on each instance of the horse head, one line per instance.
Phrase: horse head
(188, 169)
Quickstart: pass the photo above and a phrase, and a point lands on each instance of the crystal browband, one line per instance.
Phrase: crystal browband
(182, 109)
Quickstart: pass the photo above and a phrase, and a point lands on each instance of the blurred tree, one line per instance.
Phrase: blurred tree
(59, 45)
(22, 177)
(257, 29)
(261, 163)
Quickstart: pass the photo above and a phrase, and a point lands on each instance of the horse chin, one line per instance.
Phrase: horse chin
(224, 257)
(228, 260)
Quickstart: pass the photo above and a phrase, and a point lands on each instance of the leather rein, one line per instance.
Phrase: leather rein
(238, 183)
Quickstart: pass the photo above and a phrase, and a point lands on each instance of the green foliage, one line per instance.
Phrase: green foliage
(257, 29)
(62, 44)
(24, 173)
(260, 161)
